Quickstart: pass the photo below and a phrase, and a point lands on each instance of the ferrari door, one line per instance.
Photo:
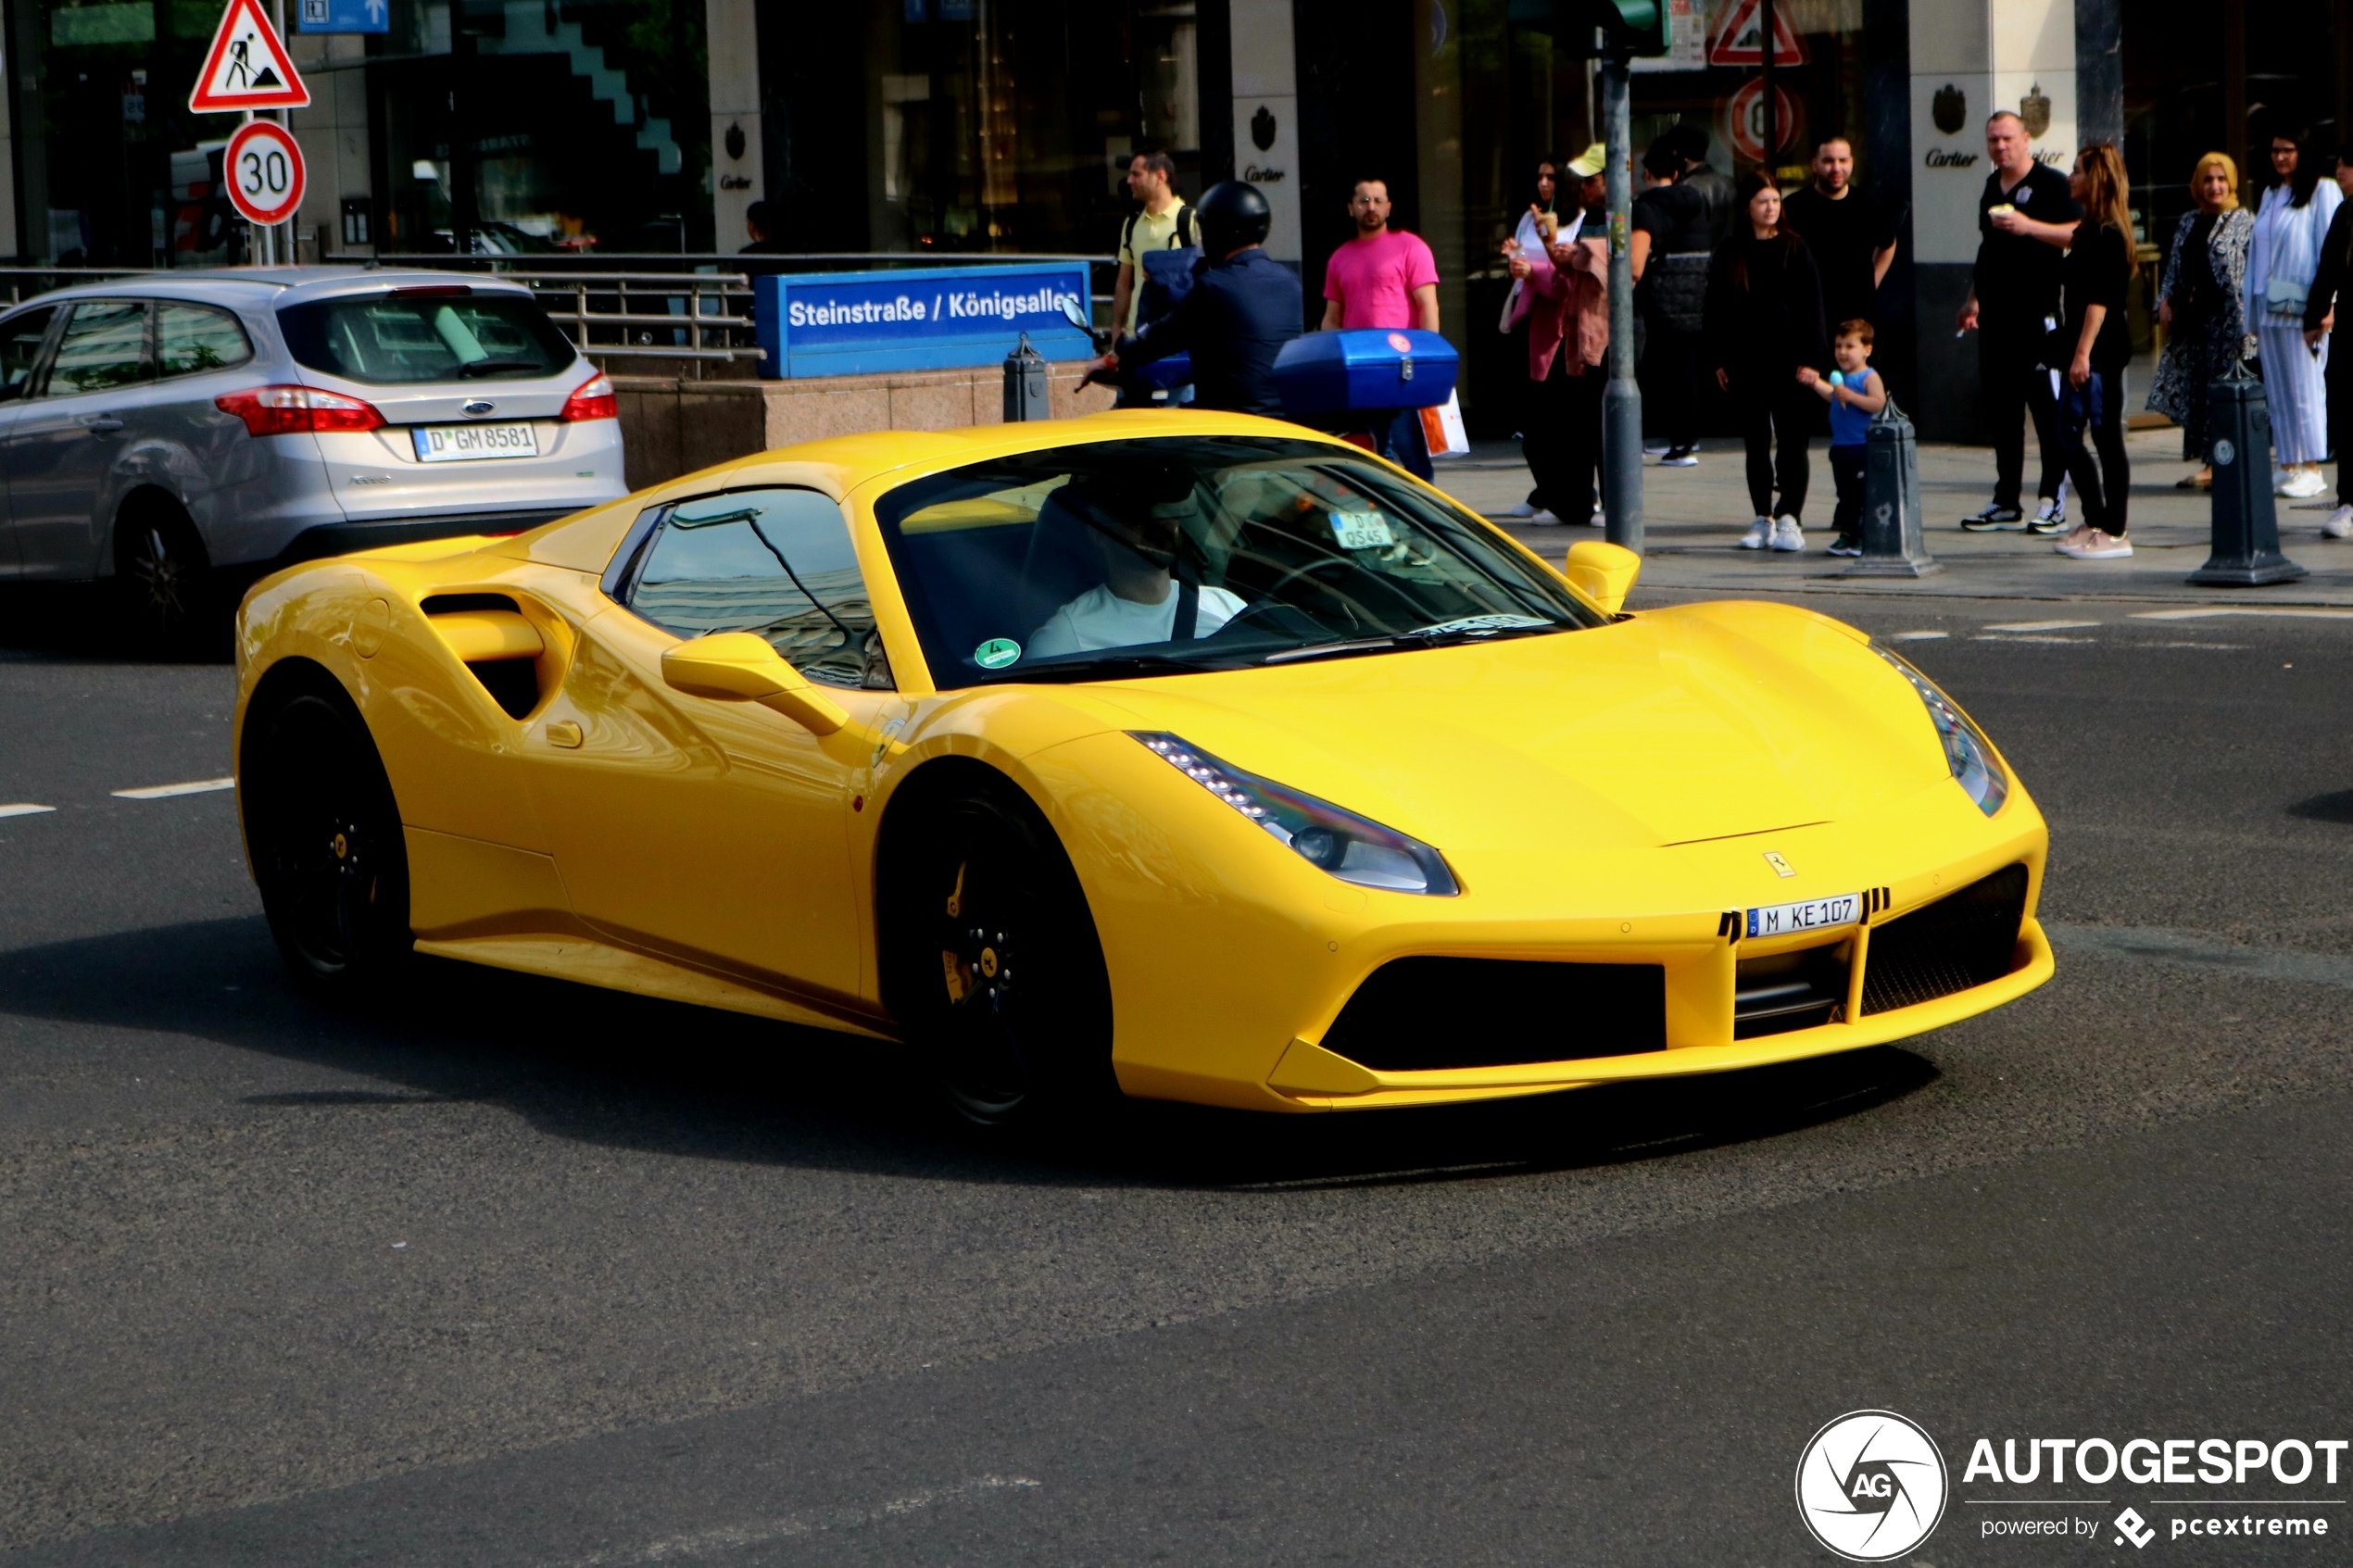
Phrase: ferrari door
(714, 831)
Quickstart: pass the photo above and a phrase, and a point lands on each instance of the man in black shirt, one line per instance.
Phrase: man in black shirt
(2014, 304)
(1853, 243)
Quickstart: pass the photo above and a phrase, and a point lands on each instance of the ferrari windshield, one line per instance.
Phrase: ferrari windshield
(1173, 554)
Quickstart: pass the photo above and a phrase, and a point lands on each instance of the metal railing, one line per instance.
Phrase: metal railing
(684, 309)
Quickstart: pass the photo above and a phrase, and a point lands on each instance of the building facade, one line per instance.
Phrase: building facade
(931, 127)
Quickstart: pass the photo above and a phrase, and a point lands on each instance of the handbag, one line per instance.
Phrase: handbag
(2284, 296)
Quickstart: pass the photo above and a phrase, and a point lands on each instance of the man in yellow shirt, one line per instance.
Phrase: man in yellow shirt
(1155, 228)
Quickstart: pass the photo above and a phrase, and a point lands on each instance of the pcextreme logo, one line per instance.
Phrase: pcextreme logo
(1872, 1485)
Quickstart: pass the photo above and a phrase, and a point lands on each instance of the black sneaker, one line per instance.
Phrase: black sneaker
(1995, 519)
(1845, 544)
(2050, 517)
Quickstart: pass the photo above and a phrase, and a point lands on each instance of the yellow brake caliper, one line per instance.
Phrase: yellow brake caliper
(959, 978)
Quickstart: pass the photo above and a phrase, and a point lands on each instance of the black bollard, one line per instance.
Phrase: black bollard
(2247, 525)
(1892, 542)
(1027, 393)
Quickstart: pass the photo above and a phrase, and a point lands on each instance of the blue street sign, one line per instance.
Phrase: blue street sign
(345, 16)
(923, 318)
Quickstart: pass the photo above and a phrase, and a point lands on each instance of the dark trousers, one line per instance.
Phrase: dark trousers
(1561, 440)
(1846, 472)
(2097, 413)
(1404, 443)
(1776, 415)
(2010, 374)
(1669, 379)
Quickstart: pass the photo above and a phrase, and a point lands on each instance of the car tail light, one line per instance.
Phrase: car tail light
(290, 410)
(592, 399)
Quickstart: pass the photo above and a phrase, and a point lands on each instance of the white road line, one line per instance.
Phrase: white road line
(2018, 639)
(24, 809)
(2039, 625)
(159, 792)
(2206, 612)
(1917, 637)
(733, 1538)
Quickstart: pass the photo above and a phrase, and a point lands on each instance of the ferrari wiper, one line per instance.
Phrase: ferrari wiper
(1444, 634)
(1116, 667)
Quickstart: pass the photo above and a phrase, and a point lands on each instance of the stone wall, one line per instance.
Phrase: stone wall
(671, 426)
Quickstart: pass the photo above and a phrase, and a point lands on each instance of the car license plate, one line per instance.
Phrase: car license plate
(1808, 914)
(465, 444)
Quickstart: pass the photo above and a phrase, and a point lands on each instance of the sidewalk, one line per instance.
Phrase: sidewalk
(1691, 518)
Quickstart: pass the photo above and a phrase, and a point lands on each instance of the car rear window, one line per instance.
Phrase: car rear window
(399, 338)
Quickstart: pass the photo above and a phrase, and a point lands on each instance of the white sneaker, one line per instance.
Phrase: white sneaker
(1759, 534)
(1599, 519)
(1543, 518)
(2339, 525)
(1524, 510)
(2097, 546)
(2304, 484)
(2279, 476)
(1786, 535)
(1656, 448)
(1680, 458)
(2049, 518)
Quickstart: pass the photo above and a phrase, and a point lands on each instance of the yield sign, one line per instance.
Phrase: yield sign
(247, 68)
(1741, 40)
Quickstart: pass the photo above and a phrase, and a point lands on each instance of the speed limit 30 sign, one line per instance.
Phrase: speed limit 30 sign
(264, 170)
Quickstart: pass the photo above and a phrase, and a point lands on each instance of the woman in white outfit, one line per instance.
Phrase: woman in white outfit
(2280, 265)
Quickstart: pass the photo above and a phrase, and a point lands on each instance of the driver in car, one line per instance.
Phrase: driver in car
(1139, 597)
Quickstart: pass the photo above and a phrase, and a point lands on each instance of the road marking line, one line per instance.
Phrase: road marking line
(2015, 639)
(2208, 612)
(737, 1538)
(24, 809)
(159, 792)
(2040, 625)
(1917, 637)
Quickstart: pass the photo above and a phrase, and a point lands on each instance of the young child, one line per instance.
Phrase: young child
(1854, 393)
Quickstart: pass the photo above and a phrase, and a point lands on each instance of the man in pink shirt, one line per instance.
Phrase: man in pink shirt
(1383, 278)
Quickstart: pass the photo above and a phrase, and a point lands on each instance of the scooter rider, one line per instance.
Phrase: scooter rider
(1242, 308)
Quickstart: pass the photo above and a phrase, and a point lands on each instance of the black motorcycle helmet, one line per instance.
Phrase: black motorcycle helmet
(1232, 215)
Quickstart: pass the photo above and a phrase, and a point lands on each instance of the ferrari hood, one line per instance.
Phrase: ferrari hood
(1699, 722)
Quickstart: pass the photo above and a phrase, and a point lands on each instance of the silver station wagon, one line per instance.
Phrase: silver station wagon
(179, 433)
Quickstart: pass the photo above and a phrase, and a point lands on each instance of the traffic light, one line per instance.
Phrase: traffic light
(1590, 28)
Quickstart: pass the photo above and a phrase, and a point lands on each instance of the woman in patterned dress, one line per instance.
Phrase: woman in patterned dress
(2199, 302)
(2280, 261)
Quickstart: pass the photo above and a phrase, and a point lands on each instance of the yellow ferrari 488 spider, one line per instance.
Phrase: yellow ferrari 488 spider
(1188, 756)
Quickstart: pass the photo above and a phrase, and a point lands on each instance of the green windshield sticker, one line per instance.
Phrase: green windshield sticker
(996, 653)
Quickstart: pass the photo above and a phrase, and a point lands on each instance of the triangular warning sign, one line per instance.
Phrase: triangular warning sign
(247, 68)
(1741, 40)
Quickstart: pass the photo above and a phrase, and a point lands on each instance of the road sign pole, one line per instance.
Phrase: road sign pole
(1771, 105)
(1621, 399)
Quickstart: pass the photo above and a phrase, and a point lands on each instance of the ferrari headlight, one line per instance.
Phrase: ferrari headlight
(1967, 751)
(1351, 847)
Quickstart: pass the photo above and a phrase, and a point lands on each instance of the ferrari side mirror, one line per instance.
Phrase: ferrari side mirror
(1604, 573)
(739, 667)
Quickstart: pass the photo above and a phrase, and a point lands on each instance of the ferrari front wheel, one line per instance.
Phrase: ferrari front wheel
(993, 964)
(327, 848)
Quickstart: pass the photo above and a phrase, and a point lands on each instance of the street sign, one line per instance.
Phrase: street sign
(1745, 120)
(1741, 40)
(346, 16)
(247, 68)
(264, 170)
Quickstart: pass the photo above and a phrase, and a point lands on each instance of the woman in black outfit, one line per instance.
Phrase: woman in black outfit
(1764, 319)
(2091, 346)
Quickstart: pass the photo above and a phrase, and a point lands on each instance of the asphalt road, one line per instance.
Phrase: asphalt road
(522, 1273)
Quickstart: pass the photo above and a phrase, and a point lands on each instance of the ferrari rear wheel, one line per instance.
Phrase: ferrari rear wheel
(327, 847)
(996, 970)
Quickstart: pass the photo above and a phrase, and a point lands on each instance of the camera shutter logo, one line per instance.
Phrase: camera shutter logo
(1872, 1485)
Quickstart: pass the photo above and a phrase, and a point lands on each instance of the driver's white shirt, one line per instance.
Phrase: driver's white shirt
(1100, 618)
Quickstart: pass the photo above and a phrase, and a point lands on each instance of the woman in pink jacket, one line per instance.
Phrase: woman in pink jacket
(1564, 299)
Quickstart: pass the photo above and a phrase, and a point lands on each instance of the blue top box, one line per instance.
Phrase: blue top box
(917, 318)
(1368, 367)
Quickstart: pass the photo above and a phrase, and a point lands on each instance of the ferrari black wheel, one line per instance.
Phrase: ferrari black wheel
(326, 843)
(994, 967)
(163, 580)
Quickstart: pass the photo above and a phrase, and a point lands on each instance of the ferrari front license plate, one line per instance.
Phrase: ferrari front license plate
(463, 444)
(1809, 915)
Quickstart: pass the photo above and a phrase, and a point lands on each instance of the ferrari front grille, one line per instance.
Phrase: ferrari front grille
(1422, 1015)
(1800, 990)
(1965, 939)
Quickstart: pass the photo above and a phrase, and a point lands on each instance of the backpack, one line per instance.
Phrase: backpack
(1168, 273)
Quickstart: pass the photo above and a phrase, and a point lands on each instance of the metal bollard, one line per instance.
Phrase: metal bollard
(1892, 542)
(2247, 525)
(1028, 393)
